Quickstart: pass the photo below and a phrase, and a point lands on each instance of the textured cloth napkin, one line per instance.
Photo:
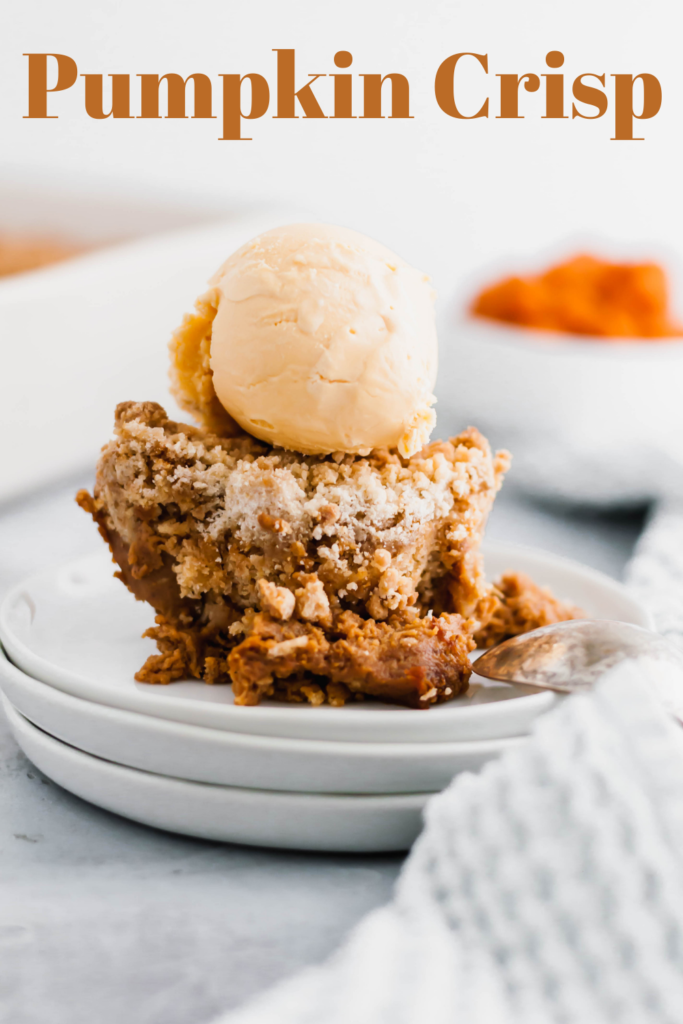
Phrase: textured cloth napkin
(547, 888)
(655, 573)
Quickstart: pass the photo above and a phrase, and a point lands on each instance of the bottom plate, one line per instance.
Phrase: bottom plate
(298, 821)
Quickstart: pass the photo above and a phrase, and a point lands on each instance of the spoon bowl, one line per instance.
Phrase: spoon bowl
(570, 657)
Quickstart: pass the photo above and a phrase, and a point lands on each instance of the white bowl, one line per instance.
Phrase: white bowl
(237, 759)
(78, 629)
(587, 420)
(299, 821)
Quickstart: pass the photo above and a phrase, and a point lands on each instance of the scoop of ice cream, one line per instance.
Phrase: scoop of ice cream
(324, 341)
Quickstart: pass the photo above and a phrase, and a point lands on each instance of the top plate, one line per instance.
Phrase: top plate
(78, 629)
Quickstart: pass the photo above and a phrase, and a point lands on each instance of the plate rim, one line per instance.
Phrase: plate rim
(262, 719)
(164, 781)
(256, 741)
(319, 822)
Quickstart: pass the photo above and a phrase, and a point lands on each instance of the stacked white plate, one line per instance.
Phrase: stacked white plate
(184, 758)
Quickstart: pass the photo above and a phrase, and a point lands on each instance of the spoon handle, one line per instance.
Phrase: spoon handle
(655, 572)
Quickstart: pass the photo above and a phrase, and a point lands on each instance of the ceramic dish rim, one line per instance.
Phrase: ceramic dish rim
(256, 741)
(292, 796)
(569, 345)
(78, 686)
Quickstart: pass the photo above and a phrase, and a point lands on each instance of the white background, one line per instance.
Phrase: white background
(451, 196)
(464, 200)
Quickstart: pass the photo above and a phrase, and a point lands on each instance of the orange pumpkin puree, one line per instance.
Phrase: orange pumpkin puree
(588, 296)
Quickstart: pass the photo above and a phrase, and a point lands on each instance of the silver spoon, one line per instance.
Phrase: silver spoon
(570, 657)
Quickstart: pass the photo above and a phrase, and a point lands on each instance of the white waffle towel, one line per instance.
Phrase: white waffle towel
(655, 573)
(548, 889)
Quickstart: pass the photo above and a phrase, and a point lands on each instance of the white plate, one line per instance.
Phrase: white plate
(299, 821)
(236, 759)
(78, 629)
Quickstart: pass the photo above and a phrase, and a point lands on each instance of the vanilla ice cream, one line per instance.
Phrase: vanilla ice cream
(322, 341)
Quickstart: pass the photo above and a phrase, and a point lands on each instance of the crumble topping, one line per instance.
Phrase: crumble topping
(231, 512)
(522, 606)
(277, 601)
